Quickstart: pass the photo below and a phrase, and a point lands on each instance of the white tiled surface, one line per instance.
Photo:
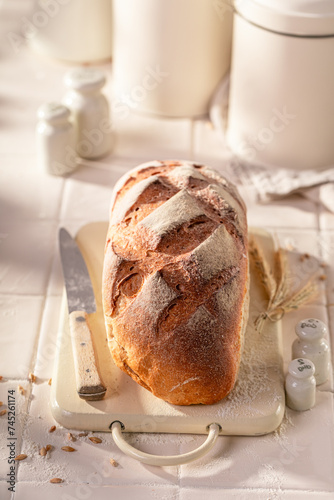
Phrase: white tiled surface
(26, 194)
(87, 194)
(295, 212)
(168, 139)
(274, 461)
(295, 462)
(78, 491)
(255, 494)
(4, 492)
(326, 221)
(26, 255)
(47, 338)
(20, 323)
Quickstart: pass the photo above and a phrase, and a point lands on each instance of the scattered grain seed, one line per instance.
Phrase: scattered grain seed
(113, 462)
(83, 434)
(21, 390)
(1, 377)
(70, 437)
(306, 255)
(48, 447)
(53, 428)
(323, 264)
(3, 412)
(20, 457)
(42, 451)
(50, 381)
(95, 440)
(68, 448)
(322, 277)
(32, 377)
(56, 480)
(1, 403)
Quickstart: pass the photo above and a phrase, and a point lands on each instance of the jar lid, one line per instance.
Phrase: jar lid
(310, 329)
(294, 17)
(301, 368)
(53, 111)
(84, 79)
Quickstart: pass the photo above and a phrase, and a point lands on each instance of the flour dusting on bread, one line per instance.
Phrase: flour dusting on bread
(175, 280)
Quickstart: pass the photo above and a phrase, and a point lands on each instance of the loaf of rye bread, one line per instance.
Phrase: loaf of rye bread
(175, 280)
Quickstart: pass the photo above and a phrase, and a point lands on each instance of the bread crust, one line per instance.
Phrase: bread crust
(175, 280)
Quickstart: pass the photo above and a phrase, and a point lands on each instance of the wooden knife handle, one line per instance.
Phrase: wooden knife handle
(88, 380)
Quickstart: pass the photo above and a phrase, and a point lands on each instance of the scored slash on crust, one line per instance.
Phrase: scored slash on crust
(177, 244)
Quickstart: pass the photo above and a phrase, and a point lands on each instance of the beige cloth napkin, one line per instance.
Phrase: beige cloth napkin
(270, 184)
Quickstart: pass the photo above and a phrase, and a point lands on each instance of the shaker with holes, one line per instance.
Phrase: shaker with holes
(300, 385)
(90, 111)
(55, 140)
(312, 345)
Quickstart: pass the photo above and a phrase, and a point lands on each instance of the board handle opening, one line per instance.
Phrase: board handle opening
(161, 460)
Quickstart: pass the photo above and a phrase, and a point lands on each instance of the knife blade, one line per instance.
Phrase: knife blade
(81, 303)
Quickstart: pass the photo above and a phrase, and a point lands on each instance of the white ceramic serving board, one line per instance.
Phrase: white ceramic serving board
(255, 406)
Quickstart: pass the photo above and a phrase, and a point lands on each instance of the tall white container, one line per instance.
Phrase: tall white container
(169, 55)
(75, 31)
(281, 107)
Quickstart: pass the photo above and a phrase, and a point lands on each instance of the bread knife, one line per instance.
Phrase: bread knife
(81, 303)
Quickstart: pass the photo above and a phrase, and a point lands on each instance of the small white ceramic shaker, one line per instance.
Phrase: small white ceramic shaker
(55, 139)
(90, 111)
(312, 345)
(300, 385)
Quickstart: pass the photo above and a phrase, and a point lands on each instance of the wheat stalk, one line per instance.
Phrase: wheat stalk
(282, 275)
(266, 276)
(281, 299)
(300, 297)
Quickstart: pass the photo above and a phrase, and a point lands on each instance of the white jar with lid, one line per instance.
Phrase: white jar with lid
(169, 55)
(90, 111)
(312, 345)
(300, 385)
(55, 140)
(76, 31)
(281, 106)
